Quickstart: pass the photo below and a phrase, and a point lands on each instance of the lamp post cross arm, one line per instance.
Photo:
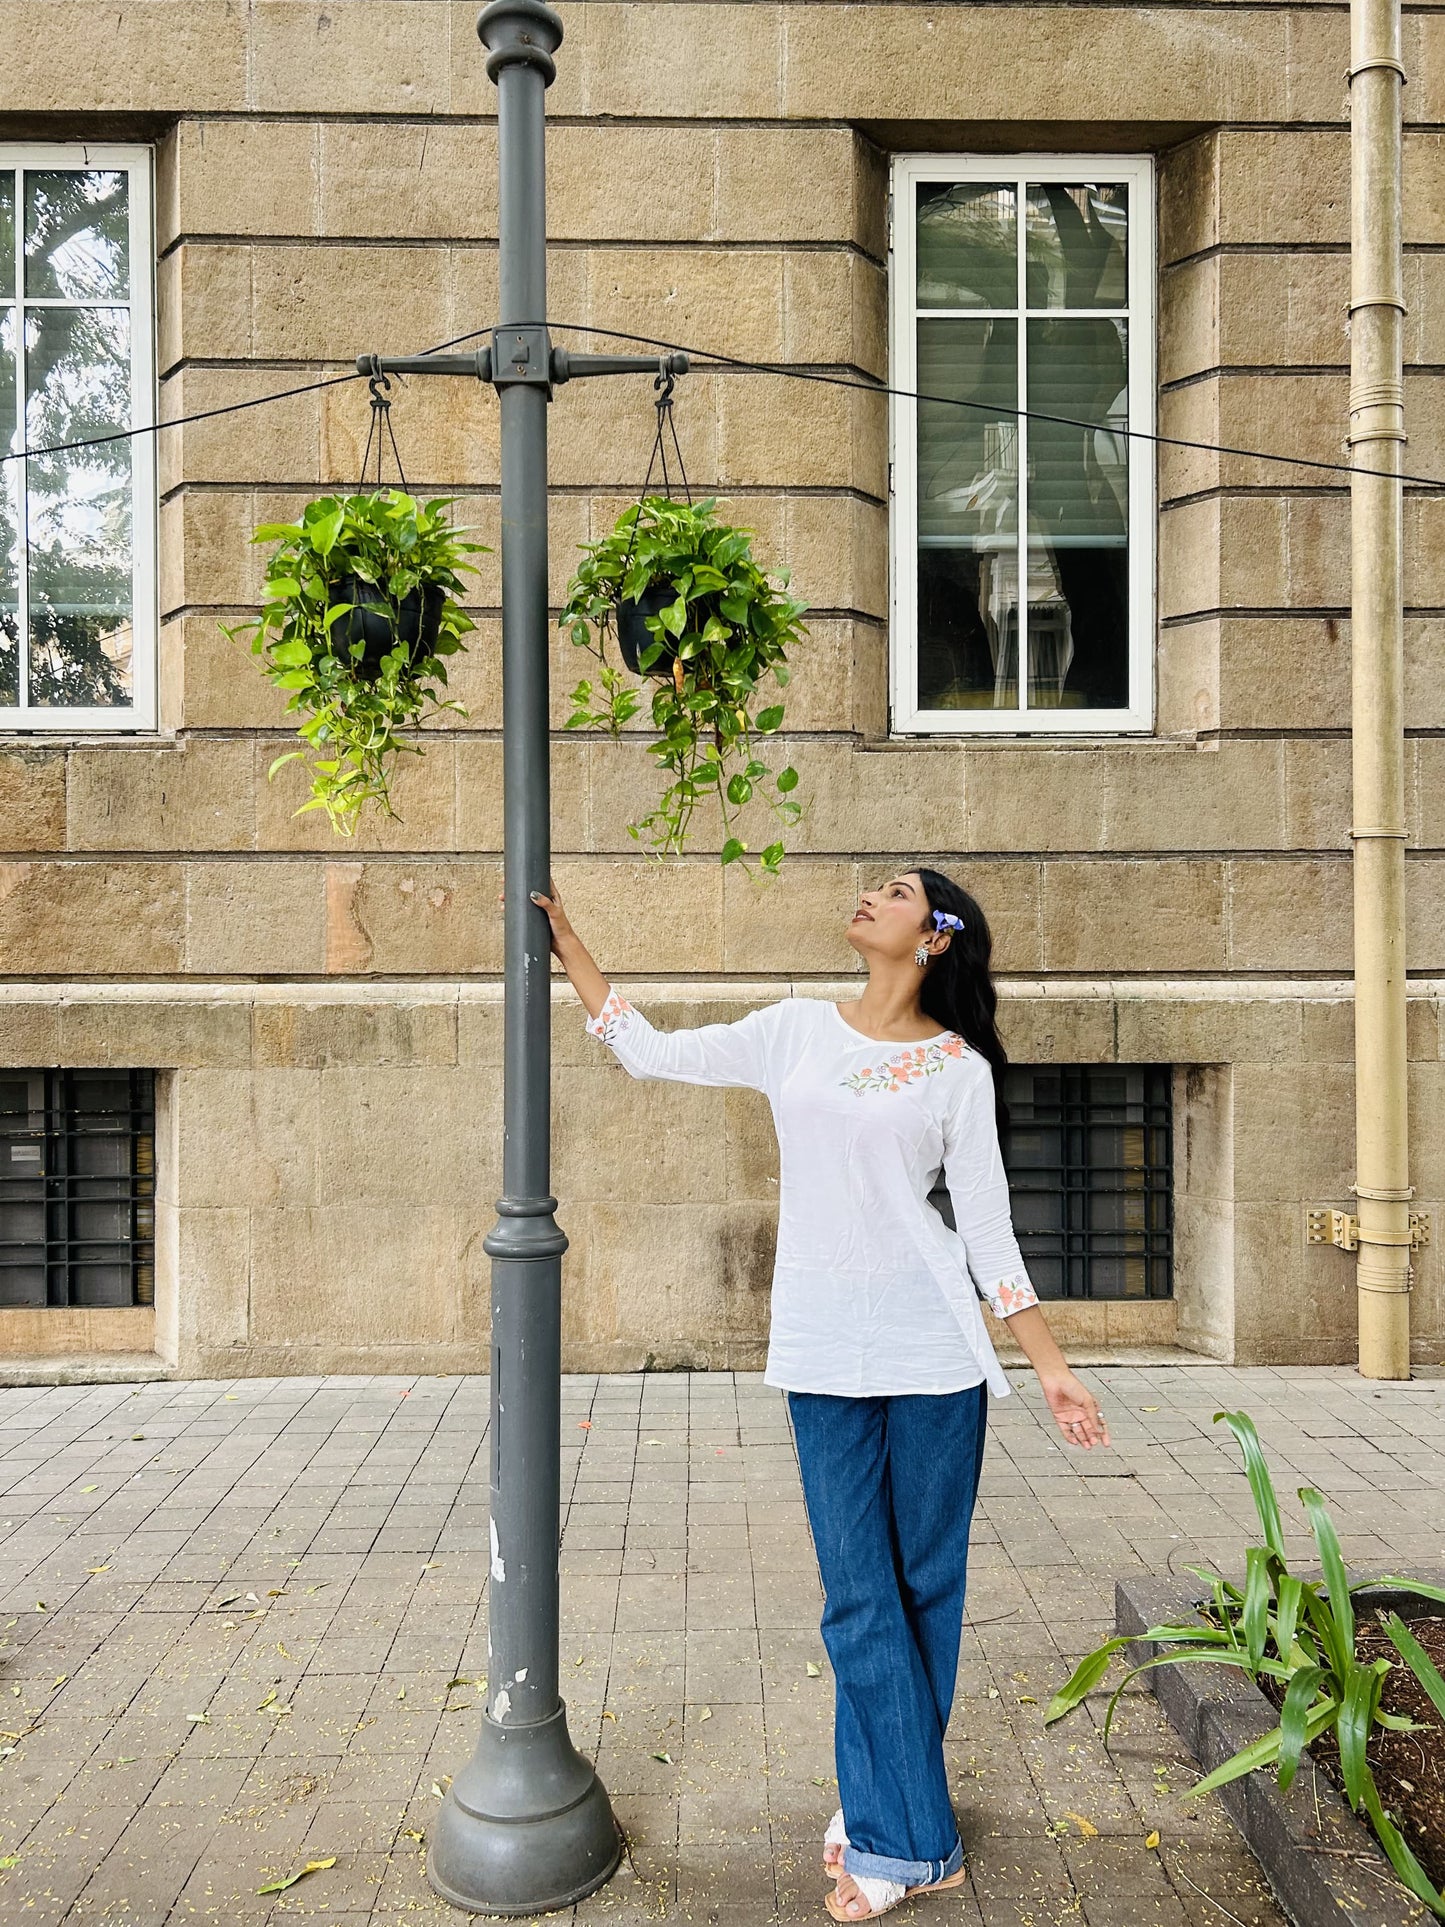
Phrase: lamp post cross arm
(542, 364)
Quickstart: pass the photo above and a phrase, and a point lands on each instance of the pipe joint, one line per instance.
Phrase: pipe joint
(1389, 393)
(520, 33)
(1384, 1284)
(1377, 63)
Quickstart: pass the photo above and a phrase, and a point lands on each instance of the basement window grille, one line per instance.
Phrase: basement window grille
(1091, 1168)
(77, 1188)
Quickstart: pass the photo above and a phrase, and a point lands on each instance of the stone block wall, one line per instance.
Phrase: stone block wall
(323, 1012)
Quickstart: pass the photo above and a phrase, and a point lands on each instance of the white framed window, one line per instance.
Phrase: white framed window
(1022, 287)
(77, 362)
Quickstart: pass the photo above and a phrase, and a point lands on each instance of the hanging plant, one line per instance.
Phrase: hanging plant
(360, 608)
(691, 609)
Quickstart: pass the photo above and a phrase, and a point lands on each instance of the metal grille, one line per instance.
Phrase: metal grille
(1090, 1166)
(77, 1187)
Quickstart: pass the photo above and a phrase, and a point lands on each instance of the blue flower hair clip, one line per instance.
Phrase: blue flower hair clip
(945, 920)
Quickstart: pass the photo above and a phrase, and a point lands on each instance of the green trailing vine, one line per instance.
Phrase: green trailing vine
(714, 627)
(360, 607)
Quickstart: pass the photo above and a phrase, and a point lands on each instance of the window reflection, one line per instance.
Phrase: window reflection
(967, 245)
(1078, 514)
(968, 519)
(1077, 246)
(78, 507)
(67, 549)
(1054, 539)
(7, 236)
(77, 235)
(10, 482)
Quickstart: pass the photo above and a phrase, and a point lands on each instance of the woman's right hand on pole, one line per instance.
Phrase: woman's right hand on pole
(556, 918)
(570, 951)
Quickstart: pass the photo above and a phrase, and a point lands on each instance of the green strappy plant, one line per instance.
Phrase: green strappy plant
(717, 627)
(1299, 1633)
(360, 606)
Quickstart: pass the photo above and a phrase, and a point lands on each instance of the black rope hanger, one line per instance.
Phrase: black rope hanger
(381, 431)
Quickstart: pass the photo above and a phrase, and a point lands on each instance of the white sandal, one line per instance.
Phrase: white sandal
(836, 1836)
(883, 1896)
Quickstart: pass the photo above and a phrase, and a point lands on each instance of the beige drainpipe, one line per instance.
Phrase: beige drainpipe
(1377, 441)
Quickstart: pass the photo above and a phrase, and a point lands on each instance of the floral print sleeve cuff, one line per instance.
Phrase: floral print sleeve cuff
(1009, 1295)
(612, 1019)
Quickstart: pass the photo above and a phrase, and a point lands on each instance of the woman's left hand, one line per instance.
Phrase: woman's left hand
(1075, 1409)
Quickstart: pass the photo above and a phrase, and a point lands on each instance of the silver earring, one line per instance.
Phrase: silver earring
(920, 957)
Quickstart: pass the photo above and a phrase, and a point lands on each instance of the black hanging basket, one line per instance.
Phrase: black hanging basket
(369, 621)
(633, 634)
(373, 620)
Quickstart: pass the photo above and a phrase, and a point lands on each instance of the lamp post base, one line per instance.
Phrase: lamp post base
(526, 1826)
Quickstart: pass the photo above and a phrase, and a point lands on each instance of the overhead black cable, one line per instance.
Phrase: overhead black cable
(209, 414)
(710, 356)
(989, 408)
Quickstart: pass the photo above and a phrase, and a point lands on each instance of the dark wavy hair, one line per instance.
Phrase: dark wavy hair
(958, 990)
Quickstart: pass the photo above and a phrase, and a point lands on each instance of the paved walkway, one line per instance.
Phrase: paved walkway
(242, 1631)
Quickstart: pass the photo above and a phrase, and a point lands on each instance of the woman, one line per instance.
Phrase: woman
(876, 1332)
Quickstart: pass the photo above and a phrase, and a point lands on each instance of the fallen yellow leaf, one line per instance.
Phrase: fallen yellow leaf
(1152, 1839)
(1086, 1827)
(312, 1866)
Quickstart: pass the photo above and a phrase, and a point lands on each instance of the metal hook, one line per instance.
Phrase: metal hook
(664, 381)
(377, 382)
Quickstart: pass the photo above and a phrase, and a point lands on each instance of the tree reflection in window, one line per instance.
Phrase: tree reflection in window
(75, 508)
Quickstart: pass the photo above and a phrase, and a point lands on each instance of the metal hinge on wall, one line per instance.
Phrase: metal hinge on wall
(1329, 1226)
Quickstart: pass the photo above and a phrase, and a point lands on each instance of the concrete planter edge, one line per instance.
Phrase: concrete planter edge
(1322, 1862)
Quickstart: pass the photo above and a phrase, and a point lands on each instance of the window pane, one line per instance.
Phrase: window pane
(10, 484)
(79, 508)
(968, 515)
(1089, 1163)
(1077, 246)
(77, 235)
(1078, 506)
(77, 1188)
(967, 245)
(7, 235)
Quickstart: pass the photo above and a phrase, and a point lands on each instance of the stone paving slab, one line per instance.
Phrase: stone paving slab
(242, 1624)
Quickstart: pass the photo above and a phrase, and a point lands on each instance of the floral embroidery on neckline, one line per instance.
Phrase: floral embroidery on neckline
(907, 1067)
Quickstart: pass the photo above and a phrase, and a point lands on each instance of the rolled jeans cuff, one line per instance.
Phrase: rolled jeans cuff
(912, 1873)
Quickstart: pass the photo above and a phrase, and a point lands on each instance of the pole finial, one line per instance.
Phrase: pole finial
(522, 33)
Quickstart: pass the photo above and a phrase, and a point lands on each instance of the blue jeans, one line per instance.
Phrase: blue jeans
(890, 1485)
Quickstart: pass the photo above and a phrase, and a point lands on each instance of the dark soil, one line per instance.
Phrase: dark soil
(1409, 1768)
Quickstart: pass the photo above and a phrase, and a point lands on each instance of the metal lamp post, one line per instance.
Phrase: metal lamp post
(526, 1825)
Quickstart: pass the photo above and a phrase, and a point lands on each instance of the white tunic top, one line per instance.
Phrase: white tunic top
(872, 1293)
